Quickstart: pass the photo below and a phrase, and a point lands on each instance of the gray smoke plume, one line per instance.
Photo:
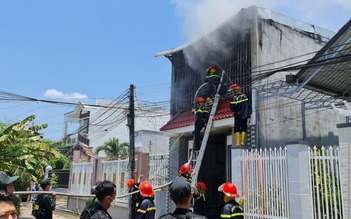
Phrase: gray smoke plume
(200, 18)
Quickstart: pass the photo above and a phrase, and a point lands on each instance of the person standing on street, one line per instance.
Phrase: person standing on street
(45, 203)
(181, 194)
(106, 193)
(231, 208)
(135, 198)
(147, 208)
(8, 208)
(200, 199)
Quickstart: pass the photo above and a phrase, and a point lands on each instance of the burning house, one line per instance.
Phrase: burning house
(258, 49)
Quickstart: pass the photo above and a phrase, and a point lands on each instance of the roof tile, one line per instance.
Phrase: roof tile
(186, 118)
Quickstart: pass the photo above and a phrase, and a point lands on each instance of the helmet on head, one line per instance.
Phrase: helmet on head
(92, 190)
(201, 185)
(130, 183)
(185, 168)
(212, 69)
(234, 87)
(146, 189)
(229, 189)
(199, 99)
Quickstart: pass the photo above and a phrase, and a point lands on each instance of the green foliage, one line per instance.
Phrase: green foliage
(22, 150)
(113, 149)
(54, 180)
(326, 190)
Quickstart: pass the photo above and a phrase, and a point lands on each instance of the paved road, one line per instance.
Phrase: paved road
(26, 210)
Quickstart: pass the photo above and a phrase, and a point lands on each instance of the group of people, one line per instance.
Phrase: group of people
(240, 106)
(43, 204)
(184, 195)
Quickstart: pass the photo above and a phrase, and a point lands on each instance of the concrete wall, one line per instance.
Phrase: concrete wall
(152, 142)
(344, 132)
(280, 117)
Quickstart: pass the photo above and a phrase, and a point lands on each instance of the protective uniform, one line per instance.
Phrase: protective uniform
(147, 208)
(212, 76)
(200, 199)
(201, 117)
(135, 199)
(241, 107)
(180, 192)
(185, 172)
(231, 208)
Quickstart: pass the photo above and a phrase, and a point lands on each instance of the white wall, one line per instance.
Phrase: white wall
(280, 117)
(151, 142)
(117, 127)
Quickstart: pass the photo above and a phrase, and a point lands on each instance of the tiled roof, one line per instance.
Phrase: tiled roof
(186, 118)
(83, 148)
(88, 152)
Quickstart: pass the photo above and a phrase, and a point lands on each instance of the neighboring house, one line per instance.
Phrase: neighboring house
(80, 153)
(88, 127)
(151, 142)
(251, 47)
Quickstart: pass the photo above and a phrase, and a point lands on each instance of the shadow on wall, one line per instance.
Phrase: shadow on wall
(327, 140)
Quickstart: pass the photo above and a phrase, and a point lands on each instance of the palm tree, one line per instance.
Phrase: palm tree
(113, 149)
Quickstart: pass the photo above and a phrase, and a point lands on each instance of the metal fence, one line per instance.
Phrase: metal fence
(80, 178)
(325, 179)
(117, 171)
(158, 168)
(266, 186)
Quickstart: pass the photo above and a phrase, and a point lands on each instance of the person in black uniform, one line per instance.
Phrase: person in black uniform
(181, 195)
(201, 117)
(135, 199)
(46, 202)
(147, 208)
(200, 199)
(106, 193)
(231, 208)
(241, 108)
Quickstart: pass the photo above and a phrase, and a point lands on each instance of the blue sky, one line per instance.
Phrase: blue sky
(70, 49)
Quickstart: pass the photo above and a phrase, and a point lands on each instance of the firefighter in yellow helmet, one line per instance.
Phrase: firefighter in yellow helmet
(231, 208)
(201, 117)
(241, 107)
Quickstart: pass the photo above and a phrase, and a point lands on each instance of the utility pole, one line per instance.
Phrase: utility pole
(130, 124)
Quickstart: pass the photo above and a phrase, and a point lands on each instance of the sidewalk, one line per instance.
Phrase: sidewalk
(59, 213)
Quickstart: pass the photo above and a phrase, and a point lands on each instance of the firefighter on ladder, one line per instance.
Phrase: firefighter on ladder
(241, 107)
(186, 172)
(212, 76)
(201, 117)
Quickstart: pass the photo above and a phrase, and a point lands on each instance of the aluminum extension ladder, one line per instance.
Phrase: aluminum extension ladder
(200, 156)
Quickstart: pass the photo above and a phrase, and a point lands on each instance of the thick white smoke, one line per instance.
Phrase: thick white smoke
(200, 17)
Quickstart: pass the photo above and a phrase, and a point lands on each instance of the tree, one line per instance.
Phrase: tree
(114, 149)
(23, 151)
